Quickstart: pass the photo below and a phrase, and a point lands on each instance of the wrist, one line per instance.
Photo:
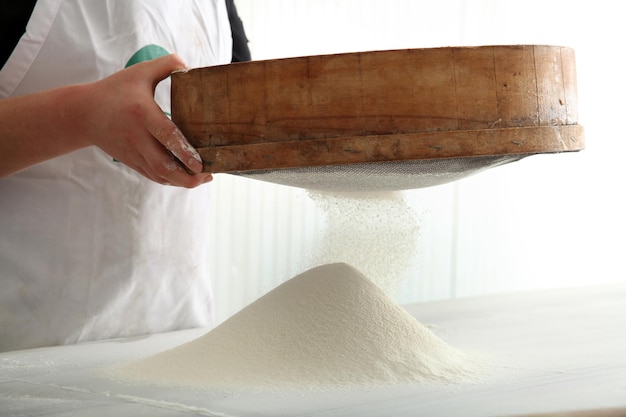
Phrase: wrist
(72, 109)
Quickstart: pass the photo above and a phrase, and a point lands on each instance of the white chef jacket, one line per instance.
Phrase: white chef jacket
(89, 249)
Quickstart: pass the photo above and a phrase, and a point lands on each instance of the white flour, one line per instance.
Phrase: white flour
(375, 231)
(328, 328)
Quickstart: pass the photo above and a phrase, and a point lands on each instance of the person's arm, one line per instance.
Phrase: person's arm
(117, 114)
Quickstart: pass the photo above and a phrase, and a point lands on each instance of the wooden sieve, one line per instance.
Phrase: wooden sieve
(380, 120)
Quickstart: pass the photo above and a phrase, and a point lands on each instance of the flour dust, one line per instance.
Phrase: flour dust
(376, 232)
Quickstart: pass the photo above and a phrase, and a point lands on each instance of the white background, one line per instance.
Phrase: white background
(544, 222)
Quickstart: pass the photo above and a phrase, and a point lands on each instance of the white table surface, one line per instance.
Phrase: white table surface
(557, 351)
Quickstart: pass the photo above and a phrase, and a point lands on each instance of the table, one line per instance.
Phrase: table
(555, 351)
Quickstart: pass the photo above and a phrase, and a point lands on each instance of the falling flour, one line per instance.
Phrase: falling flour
(377, 231)
(327, 328)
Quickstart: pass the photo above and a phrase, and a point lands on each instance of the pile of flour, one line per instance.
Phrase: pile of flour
(327, 328)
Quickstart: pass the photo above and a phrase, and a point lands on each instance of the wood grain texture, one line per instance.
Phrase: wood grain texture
(398, 147)
(381, 105)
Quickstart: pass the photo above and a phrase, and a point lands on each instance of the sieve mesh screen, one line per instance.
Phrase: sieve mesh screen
(381, 176)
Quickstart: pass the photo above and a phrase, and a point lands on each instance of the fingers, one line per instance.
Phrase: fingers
(175, 149)
(161, 166)
(159, 69)
(172, 139)
(169, 152)
(171, 173)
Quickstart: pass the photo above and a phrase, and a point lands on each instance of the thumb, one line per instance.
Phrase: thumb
(159, 69)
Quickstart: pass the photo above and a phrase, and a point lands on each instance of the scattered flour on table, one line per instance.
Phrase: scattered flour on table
(376, 231)
(327, 328)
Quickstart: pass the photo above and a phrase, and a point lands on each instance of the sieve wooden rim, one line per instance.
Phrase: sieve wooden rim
(400, 147)
(455, 102)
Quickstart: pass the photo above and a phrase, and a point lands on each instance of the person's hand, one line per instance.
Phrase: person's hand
(122, 119)
(117, 114)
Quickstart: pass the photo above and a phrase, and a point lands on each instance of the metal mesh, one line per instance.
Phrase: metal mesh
(381, 176)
